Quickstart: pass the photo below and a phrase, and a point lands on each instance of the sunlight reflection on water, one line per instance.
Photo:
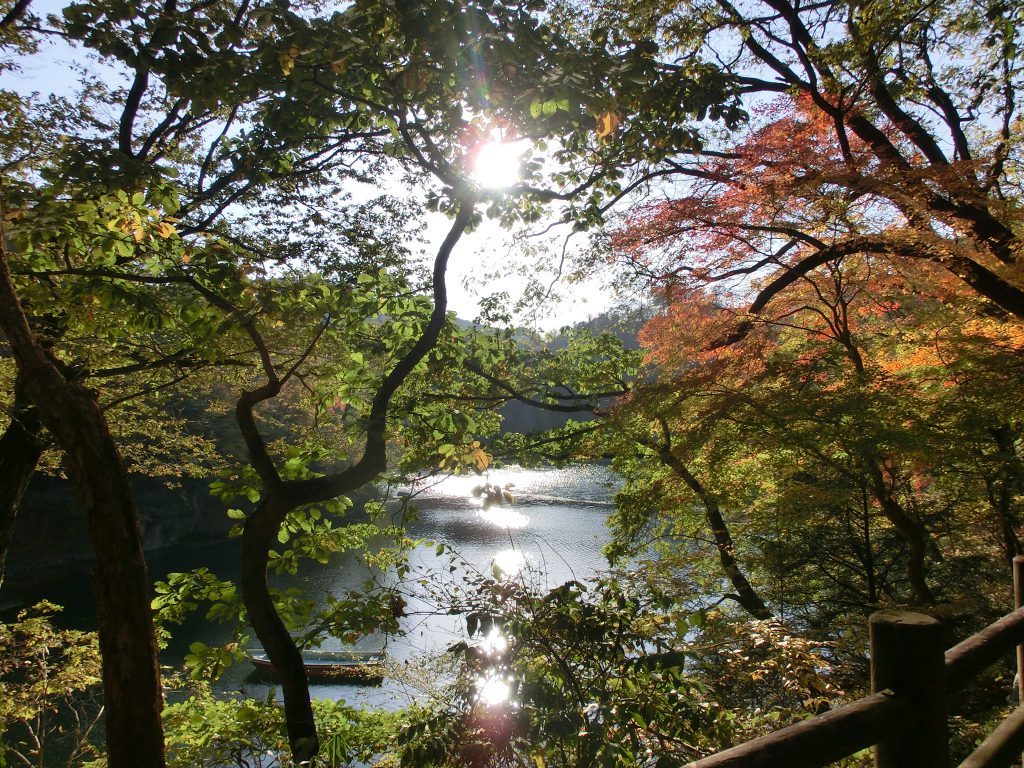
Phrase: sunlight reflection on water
(582, 483)
(503, 517)
(508, 563)
(553, 531)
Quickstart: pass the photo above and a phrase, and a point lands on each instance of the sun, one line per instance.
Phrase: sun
(493, 690)
(497, 164)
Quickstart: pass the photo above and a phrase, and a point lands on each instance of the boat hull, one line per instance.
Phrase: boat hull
(339, 667)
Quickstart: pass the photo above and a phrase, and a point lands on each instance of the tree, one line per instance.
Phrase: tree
(407, 86)
(841, 427)
(895, 137)
(97, 247)
(227, 105)
(45, 673)
(891, 146)
(595, 375)
(131, 683)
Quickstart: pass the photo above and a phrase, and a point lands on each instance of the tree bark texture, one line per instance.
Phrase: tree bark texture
(21, 446)
(131, 677)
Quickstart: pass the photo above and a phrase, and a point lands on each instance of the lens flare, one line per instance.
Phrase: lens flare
(493, 690)
(496, 165)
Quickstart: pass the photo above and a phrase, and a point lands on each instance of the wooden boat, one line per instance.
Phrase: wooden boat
(358, 667)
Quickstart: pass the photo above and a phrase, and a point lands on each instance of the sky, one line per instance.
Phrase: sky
(482, 264)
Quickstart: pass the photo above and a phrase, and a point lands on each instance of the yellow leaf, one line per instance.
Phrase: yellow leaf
(287, 60)
(481, 459)
(165, 229)
(131, 224)
(606, 123)
(339, 67)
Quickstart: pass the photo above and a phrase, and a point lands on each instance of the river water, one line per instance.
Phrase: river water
(552, 530)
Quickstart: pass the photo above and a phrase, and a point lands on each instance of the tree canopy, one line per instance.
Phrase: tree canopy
(822, 201)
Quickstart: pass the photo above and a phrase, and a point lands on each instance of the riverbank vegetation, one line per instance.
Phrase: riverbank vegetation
(820, 206)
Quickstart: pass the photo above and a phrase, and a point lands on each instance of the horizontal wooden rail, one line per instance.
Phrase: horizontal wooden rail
(819, 740)
(907, 727)
(1003, 746)
(980, 651)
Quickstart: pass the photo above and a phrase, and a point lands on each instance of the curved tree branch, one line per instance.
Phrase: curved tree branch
(746, 596)
(983, 280)
(281, 497)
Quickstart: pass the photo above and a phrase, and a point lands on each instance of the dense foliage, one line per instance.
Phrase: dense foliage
(823, 203)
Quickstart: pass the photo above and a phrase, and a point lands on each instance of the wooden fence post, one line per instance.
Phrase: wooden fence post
(1018, 602)
(908, 658)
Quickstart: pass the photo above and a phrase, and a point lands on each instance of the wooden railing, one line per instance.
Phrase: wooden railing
(905, 718)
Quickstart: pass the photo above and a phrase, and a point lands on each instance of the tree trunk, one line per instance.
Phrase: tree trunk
(912, 531)
(746, 595)
(20, 448)
(131, 674)
(869, 554)
(260, 532)
(1002, 490)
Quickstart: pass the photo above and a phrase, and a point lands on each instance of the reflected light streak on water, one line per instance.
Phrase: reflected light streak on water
(581, 482)
(503, 517)
(553, 531)
(508, 563)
